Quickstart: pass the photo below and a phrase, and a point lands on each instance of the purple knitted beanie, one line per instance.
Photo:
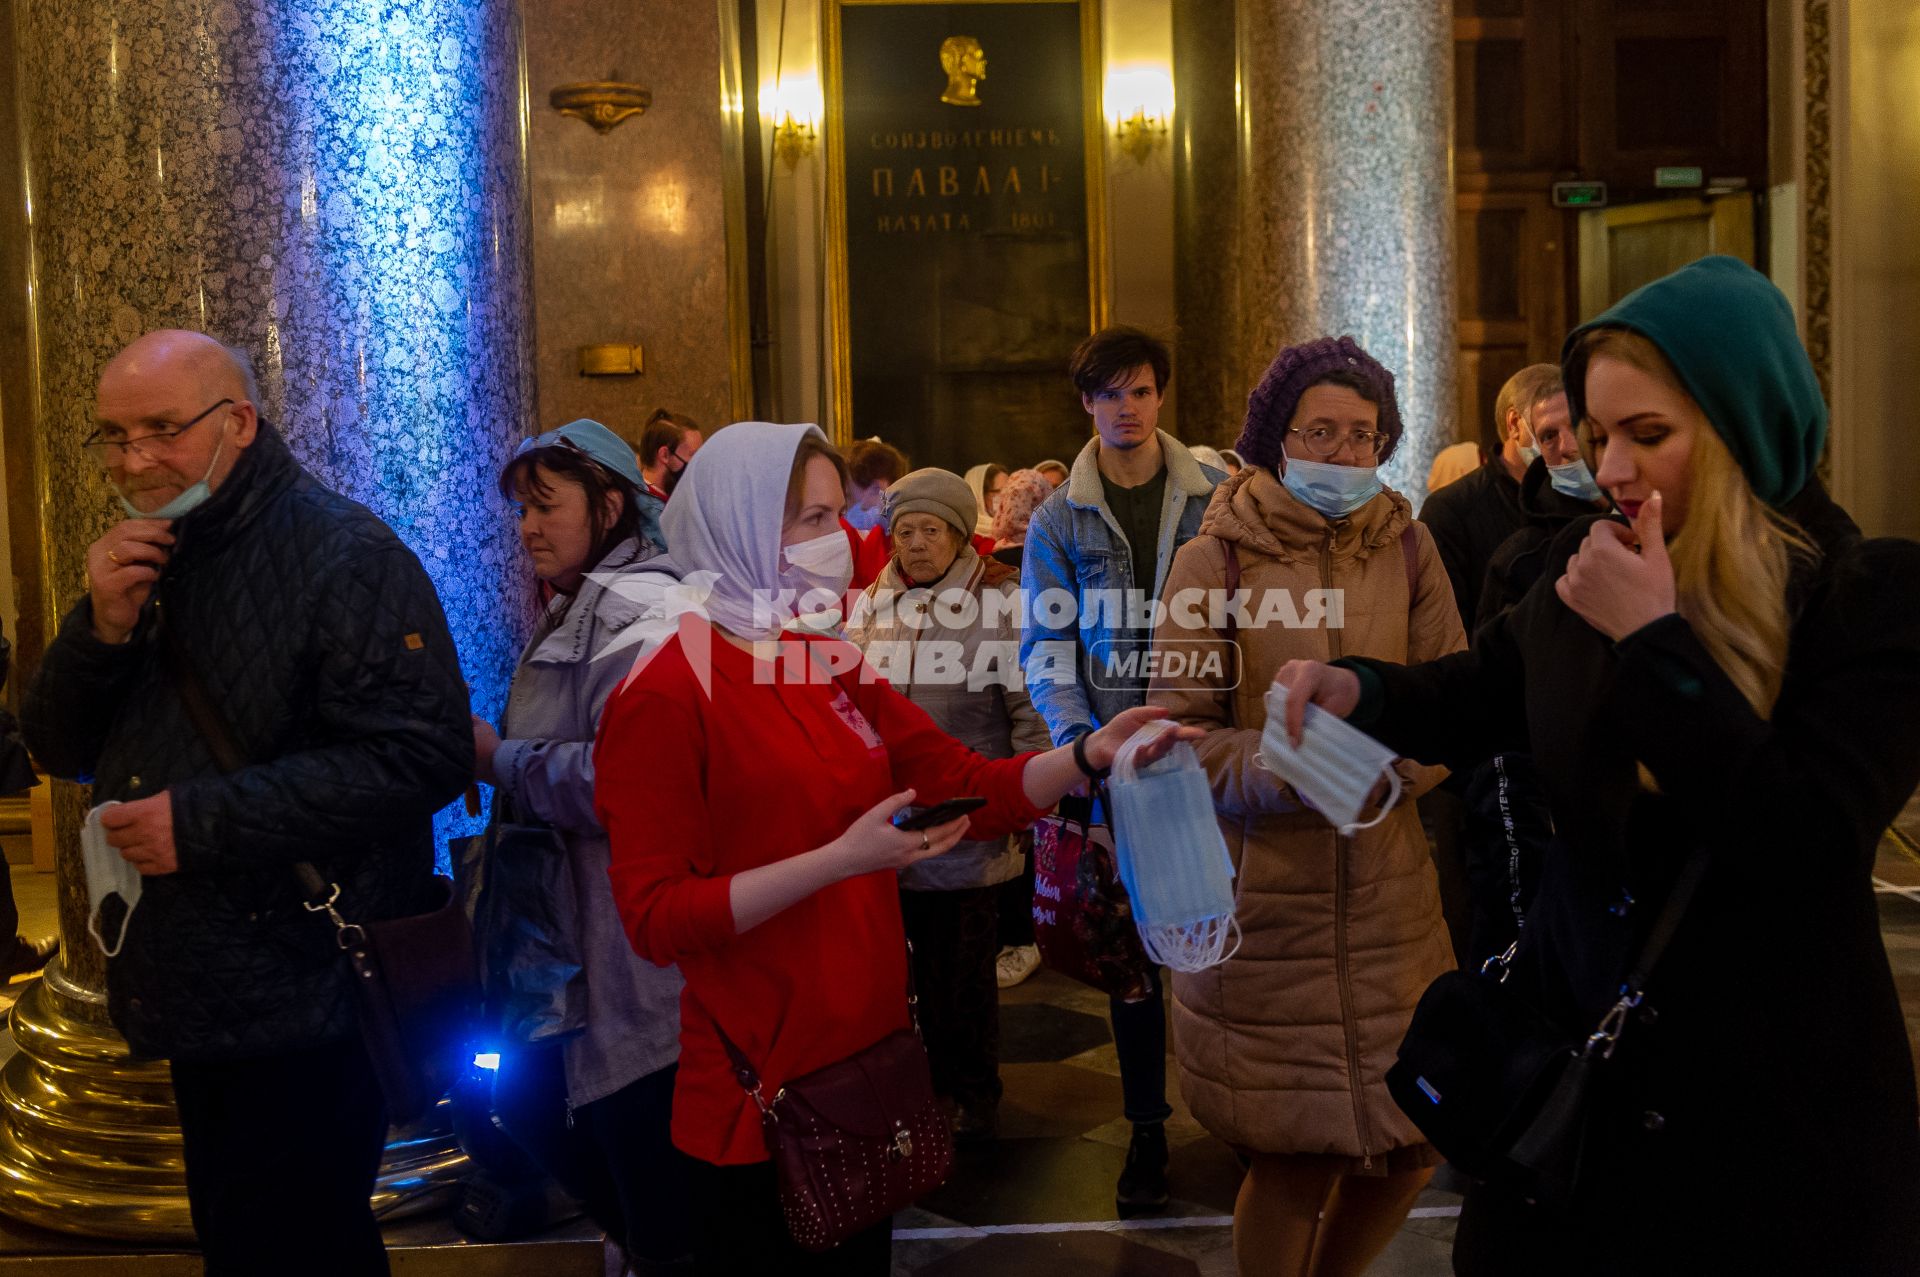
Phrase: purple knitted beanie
(1270, 406)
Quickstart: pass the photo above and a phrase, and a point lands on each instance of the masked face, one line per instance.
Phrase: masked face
(815, 554)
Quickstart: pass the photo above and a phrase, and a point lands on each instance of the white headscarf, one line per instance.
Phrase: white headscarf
(977, 480)
(725, 519)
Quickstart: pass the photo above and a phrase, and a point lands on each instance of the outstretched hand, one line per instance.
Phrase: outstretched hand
(1621, 579)
(1103, 746)
(1333, 689)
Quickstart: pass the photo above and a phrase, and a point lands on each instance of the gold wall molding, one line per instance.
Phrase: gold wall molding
(601, 103)
(1818, 264)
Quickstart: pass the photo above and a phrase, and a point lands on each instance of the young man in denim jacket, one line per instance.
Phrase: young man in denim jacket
(1104, 541)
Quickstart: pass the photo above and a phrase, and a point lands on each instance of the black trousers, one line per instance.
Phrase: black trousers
(956, 940)
(739, 1231)
(615, 1155)
(282, 1152)
(1016, 900)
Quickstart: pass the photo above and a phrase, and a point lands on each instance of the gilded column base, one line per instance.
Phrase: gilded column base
(90, 1140)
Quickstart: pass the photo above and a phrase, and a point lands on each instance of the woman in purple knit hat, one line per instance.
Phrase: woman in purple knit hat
(1283, 1049)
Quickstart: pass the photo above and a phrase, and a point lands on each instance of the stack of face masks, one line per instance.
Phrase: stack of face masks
(108, 874)
(1172, 857)
(1336, 766)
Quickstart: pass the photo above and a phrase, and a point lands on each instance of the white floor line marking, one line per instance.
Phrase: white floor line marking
(1111, 1225)
(1882, 887)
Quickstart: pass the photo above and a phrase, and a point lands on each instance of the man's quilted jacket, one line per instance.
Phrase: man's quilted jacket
(320, 638)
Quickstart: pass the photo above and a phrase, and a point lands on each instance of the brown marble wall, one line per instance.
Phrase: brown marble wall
(629, 234)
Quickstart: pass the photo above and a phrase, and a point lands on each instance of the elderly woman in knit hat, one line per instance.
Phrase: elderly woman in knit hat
(940, 623)
(1283, 1049)
(1722, 691)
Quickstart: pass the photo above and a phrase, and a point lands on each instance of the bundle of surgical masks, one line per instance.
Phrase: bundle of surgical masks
(1172, 857)
(1335, 767)
(108, 874)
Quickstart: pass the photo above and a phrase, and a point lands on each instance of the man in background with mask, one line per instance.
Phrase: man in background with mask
(301, 621)
(1471, 517)
(1134, 496)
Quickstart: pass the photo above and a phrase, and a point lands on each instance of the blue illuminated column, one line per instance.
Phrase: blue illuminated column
(335, 185)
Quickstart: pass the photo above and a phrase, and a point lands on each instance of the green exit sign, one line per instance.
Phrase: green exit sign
(1579, 194)
(1679, 176)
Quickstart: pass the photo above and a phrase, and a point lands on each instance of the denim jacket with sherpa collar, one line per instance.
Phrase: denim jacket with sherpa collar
(1082, 665)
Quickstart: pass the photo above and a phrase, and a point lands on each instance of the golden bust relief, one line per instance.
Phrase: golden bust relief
(965, 63)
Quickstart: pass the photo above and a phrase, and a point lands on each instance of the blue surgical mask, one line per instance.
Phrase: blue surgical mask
(187, 502)
(1575, 479)
(1335, 491)
(1529, 453)
(863, 519)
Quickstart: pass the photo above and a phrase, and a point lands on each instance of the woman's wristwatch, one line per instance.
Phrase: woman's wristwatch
(1087, 769)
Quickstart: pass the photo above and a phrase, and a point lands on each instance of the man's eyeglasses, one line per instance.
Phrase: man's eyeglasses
(1323, 442)
(109, 445)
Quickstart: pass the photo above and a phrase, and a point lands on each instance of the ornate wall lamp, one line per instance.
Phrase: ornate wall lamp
(1140, 109)
(601, 103)
(793, 105)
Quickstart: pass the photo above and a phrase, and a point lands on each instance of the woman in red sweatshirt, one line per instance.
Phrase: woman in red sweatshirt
(747, 774)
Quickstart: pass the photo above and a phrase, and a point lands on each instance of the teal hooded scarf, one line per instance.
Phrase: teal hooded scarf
(1729, 334)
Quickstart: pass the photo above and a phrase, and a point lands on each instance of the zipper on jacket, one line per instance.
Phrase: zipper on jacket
(1343, 970)
(1343, 967)
(1326, 583)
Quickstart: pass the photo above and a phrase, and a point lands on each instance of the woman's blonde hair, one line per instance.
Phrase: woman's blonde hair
(1732, 559)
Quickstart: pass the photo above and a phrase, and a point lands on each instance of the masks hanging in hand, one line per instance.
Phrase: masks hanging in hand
(108, 874)
(1335, 491)
(1335, 768)
(1172, 856)
(1575, 479)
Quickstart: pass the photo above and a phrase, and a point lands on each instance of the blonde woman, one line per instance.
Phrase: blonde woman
(1737, 669)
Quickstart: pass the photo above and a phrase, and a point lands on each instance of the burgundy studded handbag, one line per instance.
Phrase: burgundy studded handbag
(857, 1141)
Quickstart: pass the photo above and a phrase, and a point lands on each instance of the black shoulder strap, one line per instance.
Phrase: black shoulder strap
(213, 728)
(1664, 926)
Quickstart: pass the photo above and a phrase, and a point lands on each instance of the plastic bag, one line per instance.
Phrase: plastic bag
(1172, 856)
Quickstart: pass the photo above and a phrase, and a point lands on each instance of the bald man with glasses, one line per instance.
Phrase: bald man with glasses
(332, 724)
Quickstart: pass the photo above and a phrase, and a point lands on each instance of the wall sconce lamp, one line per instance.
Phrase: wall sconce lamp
(1139, 134)
(793, 105)
(601, 103)
(1140, 108)
(794, 140)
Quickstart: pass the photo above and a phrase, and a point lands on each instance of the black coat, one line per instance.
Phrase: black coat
(319, 636)
(1760, 1115)
(1507, 823)
(1516, 563)
(1469, 518)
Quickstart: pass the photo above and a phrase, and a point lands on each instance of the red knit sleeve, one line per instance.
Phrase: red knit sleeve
(937, 767)
(651, 796)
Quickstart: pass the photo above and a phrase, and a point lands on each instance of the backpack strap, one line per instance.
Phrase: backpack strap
(1410, 553)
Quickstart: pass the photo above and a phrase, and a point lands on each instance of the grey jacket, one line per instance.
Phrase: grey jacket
(1075, 545)
(985, 707)
(545, 768)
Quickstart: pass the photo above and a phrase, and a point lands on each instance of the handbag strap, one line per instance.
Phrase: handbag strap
(213, 727)
(1606, 1037)
(749, 1077)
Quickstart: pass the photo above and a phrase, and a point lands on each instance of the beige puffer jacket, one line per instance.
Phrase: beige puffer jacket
(1284, 1048)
